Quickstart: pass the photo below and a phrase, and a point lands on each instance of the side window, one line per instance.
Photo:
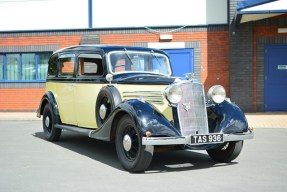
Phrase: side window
(67, 64)
(90, 64)
(52, 68)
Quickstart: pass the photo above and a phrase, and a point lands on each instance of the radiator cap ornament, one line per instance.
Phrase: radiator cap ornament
(189, 76)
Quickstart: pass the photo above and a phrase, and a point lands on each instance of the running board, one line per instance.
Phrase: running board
(80, 130)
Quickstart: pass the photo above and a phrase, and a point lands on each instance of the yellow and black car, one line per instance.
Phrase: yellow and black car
(128, 95)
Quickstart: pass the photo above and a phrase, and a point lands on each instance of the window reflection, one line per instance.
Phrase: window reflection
(43, 65)
(13, 66)
(28, 66)
(1, 67)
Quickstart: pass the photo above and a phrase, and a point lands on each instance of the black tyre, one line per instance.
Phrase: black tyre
(133, 156)
(226, 152)
(51, 133)
(108, 99)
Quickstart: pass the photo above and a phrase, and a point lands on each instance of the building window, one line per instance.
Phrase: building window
(12, 67)
(1, 67)
(24, 67)
(43, 65)
(29, 66)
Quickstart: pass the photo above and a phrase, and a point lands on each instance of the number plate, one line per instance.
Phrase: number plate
(206, 139)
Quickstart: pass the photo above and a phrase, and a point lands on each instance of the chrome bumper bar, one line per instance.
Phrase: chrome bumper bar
(187, 140)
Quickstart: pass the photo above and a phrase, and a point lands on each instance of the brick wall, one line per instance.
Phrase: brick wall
(212, 42)
(62, 41)
(241, 71)
(18, 99)
(21, 98)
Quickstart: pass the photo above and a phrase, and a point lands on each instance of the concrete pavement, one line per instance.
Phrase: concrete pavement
(267, 120)
(29, 163)
(255, 120)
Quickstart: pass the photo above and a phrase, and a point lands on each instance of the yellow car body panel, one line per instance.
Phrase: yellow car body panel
(64, 95)
(77, 101)
(85, 101)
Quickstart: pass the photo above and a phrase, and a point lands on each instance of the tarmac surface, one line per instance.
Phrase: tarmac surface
(29, 163)
(255, 120)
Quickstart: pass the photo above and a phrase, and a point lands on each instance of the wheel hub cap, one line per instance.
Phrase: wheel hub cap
(103, 111)
(47, 121)
(127, 142)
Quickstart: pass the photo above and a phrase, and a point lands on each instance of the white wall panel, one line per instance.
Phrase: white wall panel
(43, 14)
(132, 13)
(74, 14)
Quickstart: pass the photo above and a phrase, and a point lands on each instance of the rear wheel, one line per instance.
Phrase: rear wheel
(133, 156)
(226, 152)
(51, 133)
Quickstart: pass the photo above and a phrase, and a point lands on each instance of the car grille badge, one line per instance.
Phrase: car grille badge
(186, 106)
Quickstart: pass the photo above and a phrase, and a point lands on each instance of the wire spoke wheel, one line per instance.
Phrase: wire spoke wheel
(133, 156)
(108, 98)
(51, 133)
(107, 104)
(130, 143)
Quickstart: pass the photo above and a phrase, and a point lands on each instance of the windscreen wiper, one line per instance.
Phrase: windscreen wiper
(154, 55)
(125, 50)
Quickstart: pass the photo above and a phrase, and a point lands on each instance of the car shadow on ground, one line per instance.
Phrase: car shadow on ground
(105, 152)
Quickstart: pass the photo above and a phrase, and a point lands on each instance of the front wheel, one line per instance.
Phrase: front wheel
(133, 156)
(226, 152)
(51, 133)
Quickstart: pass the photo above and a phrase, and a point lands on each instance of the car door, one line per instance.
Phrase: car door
(65, 89)
(89, 82)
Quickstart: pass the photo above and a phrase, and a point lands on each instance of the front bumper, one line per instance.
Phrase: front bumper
(187, 140)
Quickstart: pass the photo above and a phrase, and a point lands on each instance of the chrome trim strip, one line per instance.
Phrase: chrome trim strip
(165, 140)
(238, 136)
(186, 140)
(144, 92)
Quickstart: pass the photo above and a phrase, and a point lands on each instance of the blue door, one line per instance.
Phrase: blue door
(275, 78)
(181, 61)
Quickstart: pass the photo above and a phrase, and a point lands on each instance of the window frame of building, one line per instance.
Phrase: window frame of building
(25, 72)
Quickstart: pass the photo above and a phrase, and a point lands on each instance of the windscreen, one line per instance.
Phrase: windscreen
(138, 62)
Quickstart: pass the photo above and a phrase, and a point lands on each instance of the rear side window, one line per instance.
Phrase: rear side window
(67, 65)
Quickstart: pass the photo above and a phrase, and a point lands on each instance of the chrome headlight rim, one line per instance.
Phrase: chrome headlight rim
(216, 94)
(173, 93)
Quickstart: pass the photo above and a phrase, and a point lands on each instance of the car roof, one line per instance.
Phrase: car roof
(106, 48)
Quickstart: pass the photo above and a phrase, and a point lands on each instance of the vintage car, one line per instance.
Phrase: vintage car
(128, 95)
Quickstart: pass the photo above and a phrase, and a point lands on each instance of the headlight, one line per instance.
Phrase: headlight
(216, 94)
(173, 94)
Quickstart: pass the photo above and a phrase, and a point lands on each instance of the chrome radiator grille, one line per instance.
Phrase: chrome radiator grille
(191, 110)
(150, 96)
